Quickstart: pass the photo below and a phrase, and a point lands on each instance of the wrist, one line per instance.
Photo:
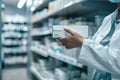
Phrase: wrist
(81, 41)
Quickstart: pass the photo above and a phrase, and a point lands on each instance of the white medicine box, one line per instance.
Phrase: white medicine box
(58, 30)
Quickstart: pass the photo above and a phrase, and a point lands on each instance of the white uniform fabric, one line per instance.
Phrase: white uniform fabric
(96, 56)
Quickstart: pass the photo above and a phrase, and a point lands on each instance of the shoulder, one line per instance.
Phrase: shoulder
(111, 15)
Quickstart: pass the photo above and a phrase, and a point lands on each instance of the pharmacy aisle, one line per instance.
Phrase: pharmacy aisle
(1, 24)
(15, 74)
(14, 41)
(30, 50)
(48, 60)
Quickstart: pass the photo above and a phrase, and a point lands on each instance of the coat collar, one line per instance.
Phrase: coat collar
(114, 14)
(106, 26)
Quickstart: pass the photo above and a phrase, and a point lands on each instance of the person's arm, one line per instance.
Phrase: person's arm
(100, 57)
(93, 54)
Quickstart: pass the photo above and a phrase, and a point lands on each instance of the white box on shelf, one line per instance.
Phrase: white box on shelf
(58, 30)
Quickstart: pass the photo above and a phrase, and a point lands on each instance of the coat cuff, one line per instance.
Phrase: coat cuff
(84, 52)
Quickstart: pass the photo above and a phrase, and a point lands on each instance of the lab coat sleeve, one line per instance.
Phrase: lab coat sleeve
(95, 55)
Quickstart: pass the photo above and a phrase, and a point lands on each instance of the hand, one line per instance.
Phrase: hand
(72, 40)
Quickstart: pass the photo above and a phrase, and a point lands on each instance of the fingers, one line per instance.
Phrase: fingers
(63, 40)
(58, 39)
(68, 47)
(69, 31)
(66, 43)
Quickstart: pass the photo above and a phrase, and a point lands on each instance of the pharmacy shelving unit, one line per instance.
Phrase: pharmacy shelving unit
(82, 7)
(1, 24)
(43, 5)
(40, 52)
(14, 36)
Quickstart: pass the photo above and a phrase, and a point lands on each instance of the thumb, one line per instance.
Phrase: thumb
(69, 31)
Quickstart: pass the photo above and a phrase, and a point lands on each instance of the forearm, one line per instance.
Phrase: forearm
(97, 56)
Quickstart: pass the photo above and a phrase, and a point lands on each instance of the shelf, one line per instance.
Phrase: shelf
(14, 28)
(8, 37)
(64, 58)
(39, 51)
(43, 5)
(14, 50)
(42, 34)
(17, 23)
(40, 75)
(58, 56)
(36, 73)
(11, 45)
(15, 54)
(20, 31)
(80, 8)
(18, 65)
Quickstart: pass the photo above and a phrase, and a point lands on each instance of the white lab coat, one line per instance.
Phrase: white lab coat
(96, 56)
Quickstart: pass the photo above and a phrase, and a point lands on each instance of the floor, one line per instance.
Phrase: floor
(15, 74)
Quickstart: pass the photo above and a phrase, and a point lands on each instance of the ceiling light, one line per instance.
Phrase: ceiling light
(21, 3)
(3, 5)
(33, 8)
(40, 2)
(29, 3)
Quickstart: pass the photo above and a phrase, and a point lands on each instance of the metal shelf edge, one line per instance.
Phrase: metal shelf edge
(36, 73)
(39, 52)
(53, 13)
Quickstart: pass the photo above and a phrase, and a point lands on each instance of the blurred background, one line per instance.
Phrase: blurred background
(28, 49)
(14, 41)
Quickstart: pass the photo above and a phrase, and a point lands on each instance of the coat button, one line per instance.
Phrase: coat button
(102, 36)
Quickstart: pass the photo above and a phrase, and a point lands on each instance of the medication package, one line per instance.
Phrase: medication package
(58, 30)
